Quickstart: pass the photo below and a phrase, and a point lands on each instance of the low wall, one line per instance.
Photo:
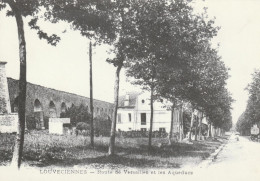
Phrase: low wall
(8, 123)
(56, 125)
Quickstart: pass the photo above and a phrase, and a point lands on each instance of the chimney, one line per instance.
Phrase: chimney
(127, 97)
(4, 93)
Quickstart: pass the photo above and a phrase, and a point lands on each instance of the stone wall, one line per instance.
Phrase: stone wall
(4, 94)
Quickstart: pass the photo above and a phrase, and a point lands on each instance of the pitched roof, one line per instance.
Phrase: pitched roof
(132, 100)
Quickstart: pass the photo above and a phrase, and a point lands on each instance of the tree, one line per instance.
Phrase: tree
(253, 104)
(91, 96)
(167, 33)
(20, 9)
(176, 51)
(251, 116)
(243, 125)
(77, 114)
(205, 84)
(153, 24)
(124, 20)
(94, 20)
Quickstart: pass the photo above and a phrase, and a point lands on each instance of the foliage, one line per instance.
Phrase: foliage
(77, 114)
(243, 125)
(30, 122)
(93, 18)
(102, 126)
(253, 103)
(251, 115)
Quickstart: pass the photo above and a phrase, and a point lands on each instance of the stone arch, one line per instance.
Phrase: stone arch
(52, 110)
(37, 107)
(63, 107)
(38, 115)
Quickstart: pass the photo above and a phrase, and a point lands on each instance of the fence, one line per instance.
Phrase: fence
(141, 134)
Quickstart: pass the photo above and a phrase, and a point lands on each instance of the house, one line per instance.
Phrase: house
(134, 113)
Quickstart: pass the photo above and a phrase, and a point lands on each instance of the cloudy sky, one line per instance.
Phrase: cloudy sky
(65, 67)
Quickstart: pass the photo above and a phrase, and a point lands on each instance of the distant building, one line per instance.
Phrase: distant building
(134, 113)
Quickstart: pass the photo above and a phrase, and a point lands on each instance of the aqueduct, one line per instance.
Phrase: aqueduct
(43, 103)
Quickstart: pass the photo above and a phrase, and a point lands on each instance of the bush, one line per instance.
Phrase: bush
(102, 126)
(77, 114)
(46, 122)
(30, 122)
(82, 126)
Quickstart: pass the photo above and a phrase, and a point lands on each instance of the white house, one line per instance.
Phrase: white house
(134, 113)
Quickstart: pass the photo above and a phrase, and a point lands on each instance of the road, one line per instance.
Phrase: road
(239, 160)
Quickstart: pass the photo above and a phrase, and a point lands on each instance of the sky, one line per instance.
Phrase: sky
(66, 66)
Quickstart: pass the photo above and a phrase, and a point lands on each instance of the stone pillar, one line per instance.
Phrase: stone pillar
(4, 93)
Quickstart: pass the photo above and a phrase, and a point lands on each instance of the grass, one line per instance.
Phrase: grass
(42, 150)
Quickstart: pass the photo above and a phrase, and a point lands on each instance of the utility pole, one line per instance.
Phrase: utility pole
(91, 97)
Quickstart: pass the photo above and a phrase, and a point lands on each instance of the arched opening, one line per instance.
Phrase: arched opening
(52, 110)
(63, 107)
(38, 115)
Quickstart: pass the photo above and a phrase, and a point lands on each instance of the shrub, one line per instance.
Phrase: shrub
(77, 114)
(30, 122)
(82, 126)
(46, 122)
(102, 126)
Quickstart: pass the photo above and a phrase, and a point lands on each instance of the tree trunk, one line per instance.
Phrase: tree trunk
(91, 97)
(171, 127)
(209, 135)
(19, 141)
(181, 123)
(191, 124)
(196, 132)
(151, 123)
(200, 125)
(111, 150)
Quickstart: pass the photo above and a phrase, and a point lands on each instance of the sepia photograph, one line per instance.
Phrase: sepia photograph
(130, 89)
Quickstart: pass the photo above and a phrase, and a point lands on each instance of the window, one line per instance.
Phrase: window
(119, 118)
(143, 101)
(162, 130)
(143, 129)
(143, 118)
(129, 117)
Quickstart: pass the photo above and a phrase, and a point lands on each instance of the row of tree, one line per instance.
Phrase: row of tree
(162, 44)
(251, 116)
